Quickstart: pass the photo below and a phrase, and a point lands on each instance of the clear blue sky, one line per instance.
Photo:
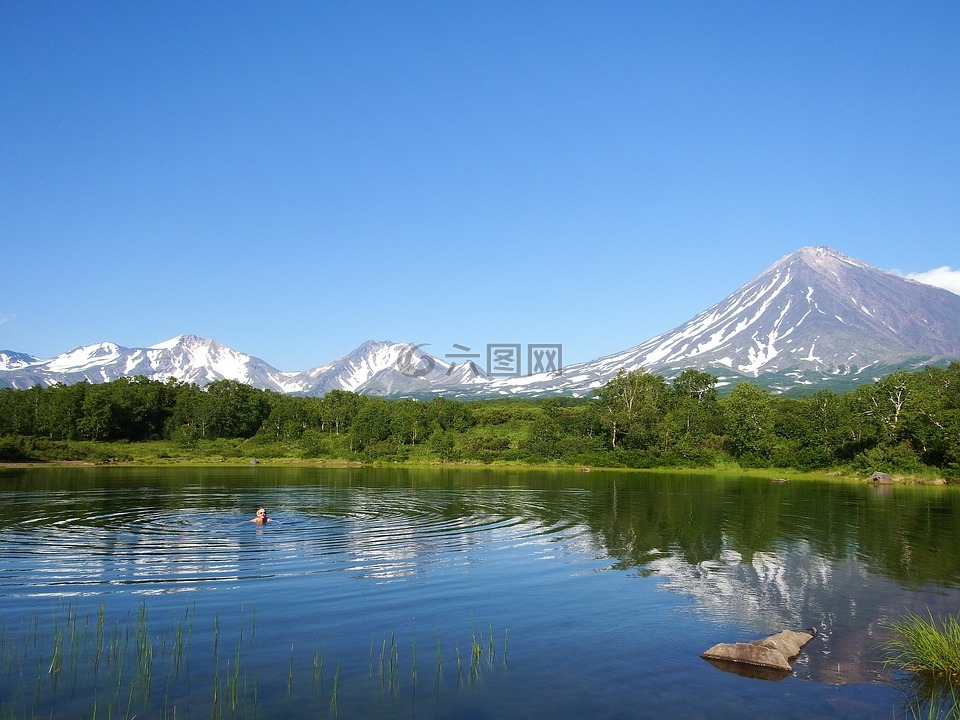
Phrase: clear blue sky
(294, 178)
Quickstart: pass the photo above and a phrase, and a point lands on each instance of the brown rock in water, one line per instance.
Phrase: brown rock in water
(748, 653)
(774, 651)
(788, 642)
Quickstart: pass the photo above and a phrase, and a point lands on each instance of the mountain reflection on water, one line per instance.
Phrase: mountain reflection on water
(845, 558)
(754, 555)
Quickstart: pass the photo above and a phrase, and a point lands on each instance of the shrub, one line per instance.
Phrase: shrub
(13, 449)
(899, 457)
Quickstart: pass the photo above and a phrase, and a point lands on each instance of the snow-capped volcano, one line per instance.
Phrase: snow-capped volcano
(814, 317)
(815, 309)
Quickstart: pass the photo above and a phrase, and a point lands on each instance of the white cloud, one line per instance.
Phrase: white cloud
(942, 277)
(5, 318)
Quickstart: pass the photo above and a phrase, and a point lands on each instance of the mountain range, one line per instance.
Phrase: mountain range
(816, 318)
(376, 367)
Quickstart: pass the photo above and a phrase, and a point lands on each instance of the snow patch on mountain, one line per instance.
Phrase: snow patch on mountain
(83, 358)
(10, 360)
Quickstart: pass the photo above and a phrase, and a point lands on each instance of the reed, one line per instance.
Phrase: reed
(383, 652)
(216, 691)
(99, 638)
(144, 652)
(56, 662)
(216, 635)
(394, 665)
(290, 674)
(415, 659)
(128, 716)
(336, 687)
(318, 665)
(234, 687)
(943, 705)
(177, 648)
(476, 650)
(926, 645)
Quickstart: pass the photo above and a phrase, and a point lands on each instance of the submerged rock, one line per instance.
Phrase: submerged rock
(774, 651)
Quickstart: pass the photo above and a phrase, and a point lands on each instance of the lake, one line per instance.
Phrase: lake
(455, 592)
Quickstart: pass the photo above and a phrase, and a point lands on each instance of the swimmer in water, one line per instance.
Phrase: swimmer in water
(261, 517)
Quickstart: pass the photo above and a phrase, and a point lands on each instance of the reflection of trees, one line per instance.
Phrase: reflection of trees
(907, 534)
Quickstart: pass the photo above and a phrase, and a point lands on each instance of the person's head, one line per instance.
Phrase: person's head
(261, 514)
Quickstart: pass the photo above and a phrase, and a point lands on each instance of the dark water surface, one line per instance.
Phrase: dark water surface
(454, 593)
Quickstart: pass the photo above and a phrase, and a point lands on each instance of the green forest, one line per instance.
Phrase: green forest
(906, 423)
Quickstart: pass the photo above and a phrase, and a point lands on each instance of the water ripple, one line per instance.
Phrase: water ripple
(142, 540)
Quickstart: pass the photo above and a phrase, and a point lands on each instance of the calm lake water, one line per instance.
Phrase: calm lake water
(454, 593)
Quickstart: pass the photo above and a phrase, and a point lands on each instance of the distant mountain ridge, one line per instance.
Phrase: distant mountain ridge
(376, 367)
(814, 318)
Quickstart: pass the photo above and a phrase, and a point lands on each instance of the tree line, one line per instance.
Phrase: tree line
(906, 422)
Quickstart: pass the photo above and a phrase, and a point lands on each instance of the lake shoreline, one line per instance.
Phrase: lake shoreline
(776, 475)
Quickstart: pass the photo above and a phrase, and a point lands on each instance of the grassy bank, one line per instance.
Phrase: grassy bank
(240, 452)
